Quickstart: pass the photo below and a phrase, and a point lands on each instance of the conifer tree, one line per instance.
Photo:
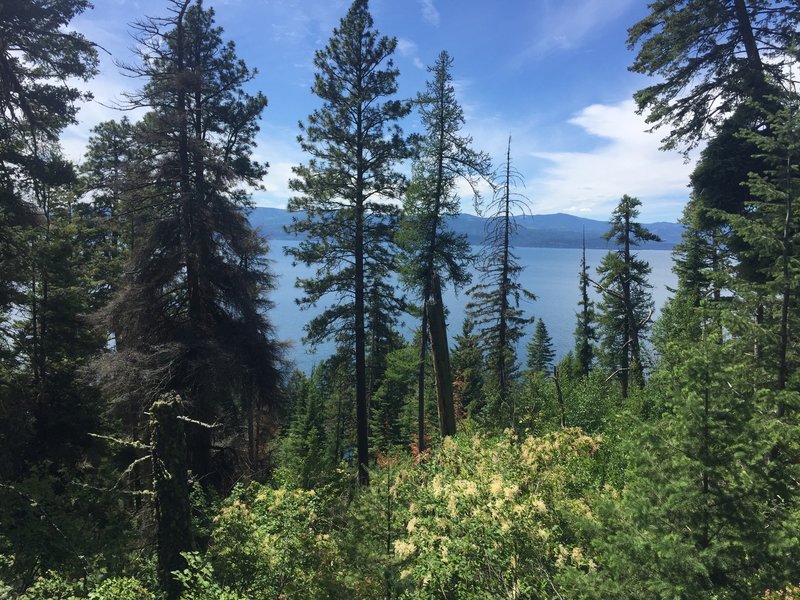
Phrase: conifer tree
(627, 306)
(354, 144)
(706, 511)
(468, 370)
(192, 311)
(540, 349)
(711, 57)
(585, 333)
(304, 451)
(770, 232)
(40, 60)
(495, 305)
(429, 247)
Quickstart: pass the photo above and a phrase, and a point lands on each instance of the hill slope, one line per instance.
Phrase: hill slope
(537, 231)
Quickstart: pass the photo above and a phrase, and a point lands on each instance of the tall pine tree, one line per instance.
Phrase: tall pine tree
(192, 311)
(354, 144)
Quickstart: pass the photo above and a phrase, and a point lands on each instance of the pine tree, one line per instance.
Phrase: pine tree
(711, 56)
(40, 59)
(495, 301)
(627, 305)
(468, 371)
(354, 143)
(540, 349)
(192, 311)
(429, 246)
(585, 333)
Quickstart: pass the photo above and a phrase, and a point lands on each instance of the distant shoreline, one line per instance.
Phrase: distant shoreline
(557, 230)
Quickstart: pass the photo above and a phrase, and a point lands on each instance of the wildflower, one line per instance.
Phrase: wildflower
(539, 506)
(403, 548)
(412, 525)
(437, 486)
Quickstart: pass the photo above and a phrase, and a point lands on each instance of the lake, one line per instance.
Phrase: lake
(550, 273)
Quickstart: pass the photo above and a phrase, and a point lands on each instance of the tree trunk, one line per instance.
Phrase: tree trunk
(441, 361)
(423, 343)
(170, 484)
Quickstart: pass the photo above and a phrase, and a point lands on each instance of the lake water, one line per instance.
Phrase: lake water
(550, 273)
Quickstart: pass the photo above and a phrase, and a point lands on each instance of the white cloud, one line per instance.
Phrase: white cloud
(429, 12)
(559, 25)
(629, 162)
(409, 49)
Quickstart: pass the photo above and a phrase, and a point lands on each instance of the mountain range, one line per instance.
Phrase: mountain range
(557, 230)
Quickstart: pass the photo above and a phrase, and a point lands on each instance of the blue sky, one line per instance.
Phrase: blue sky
(550, 73)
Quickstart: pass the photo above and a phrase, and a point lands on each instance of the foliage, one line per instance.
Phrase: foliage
(491, 517)
(354, 143)
(269, 543)
(468, 371)
(708, 508)
(495, 301)
(540, 349)
(710, 56)
(627, 306)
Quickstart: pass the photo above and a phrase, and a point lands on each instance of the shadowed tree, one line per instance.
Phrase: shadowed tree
(192, 312)
(40, 59)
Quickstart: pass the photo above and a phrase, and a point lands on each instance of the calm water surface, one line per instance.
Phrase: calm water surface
(550, 273)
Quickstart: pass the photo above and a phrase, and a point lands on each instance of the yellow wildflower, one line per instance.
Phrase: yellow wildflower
(403, 548)
(412, 525)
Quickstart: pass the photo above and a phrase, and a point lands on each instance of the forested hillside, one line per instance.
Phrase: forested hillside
(532, 231)
(157, 442)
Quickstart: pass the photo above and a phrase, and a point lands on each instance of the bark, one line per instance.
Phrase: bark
(170, 484)
(441, 361)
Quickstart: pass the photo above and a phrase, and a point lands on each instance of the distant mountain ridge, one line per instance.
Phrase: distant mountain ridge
(557, 230)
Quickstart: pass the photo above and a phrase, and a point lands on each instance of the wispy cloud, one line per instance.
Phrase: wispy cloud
(559, 26)
(629, 162)
(409, 49)
(430, 12)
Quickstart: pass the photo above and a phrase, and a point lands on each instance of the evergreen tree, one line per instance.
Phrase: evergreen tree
(710, 57)
(705, 512)
(354, 143)
(429, 247)
(389, 426)
(585, 333)
(40, 58)
(627, 305)
(770, 232)
(192, 311)
(303, 451)
(540, 349)
(495, 301)
(468, 370)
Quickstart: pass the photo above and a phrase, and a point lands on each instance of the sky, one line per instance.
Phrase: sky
(552, 74)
